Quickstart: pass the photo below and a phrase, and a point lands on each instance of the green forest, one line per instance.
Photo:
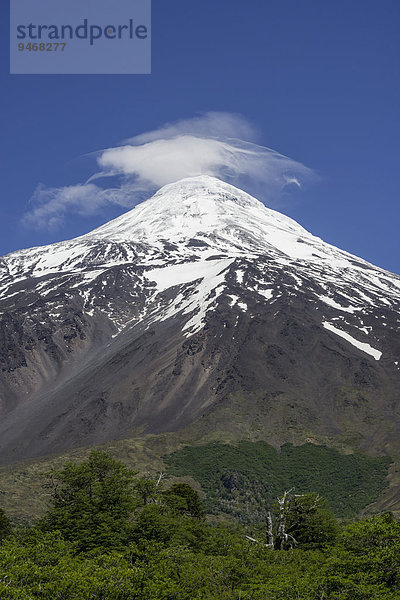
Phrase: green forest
(242, 480)
(109, 534)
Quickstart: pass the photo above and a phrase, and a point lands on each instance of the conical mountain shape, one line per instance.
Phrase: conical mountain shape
(201, 206)
(198, 308)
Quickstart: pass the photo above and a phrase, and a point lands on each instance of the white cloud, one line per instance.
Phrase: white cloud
(210, 124)
(154, 164)
(214, 144)
(50, 206)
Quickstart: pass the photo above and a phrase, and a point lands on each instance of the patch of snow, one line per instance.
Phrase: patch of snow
(172, 275)
(210, 277)
(233, 298)
(88, 277)
(239, 276)
(365, 329)
(349, 338)
(266, 293)
(331, 302)
(208, 290)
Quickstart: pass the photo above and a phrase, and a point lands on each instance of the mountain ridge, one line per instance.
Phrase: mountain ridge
(171, 312)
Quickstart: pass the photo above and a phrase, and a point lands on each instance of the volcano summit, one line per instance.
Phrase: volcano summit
(199, 305)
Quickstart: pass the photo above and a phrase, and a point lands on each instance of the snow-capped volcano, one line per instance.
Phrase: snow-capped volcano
(205, 209)
(197, 295)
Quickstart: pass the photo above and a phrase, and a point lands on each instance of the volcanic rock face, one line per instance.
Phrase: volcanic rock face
(199, 295)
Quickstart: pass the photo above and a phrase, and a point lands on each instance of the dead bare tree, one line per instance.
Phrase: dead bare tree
(270, 531)
(292, 513)
(161, 475)
(283, 538)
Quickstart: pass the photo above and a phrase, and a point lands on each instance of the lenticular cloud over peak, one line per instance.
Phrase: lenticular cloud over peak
(217, 144)
(209, 124)
(220, 145)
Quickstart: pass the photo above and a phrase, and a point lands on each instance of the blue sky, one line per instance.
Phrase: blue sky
(318, 79)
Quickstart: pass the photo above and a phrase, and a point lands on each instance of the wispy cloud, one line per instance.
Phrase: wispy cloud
(50, 207)
(217, 144)
(210, 124)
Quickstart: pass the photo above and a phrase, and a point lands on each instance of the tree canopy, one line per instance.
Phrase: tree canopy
(91, 502)
(111, 535)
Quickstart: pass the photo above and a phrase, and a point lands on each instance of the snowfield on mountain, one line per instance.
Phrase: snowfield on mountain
(199, 300)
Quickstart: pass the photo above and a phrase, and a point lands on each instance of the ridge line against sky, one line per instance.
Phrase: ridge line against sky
(205, 145)
(318, 82)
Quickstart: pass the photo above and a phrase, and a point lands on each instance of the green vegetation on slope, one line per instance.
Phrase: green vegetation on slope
(109, 535)
(244, 479)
